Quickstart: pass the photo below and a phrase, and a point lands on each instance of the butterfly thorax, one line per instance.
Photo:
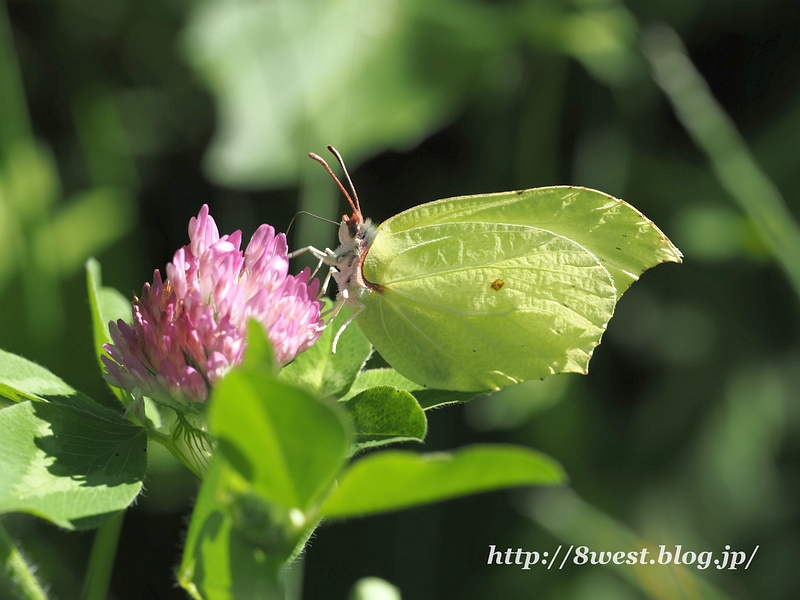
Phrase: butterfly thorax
(355, 236)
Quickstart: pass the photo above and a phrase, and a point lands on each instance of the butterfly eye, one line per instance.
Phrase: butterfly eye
(353, 227)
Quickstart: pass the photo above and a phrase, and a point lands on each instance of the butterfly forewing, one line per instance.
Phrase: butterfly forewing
(626, 242)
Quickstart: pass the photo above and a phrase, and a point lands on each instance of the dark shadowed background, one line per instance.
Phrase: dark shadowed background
(120, 118)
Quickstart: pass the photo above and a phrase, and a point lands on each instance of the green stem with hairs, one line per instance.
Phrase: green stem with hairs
(18, 570)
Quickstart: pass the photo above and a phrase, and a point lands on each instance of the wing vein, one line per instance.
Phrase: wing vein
(460, 269)
(504, 314)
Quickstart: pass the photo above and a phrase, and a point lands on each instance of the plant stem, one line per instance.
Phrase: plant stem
(18, 571)
(716, 134)
(293, 579)
(101, 561)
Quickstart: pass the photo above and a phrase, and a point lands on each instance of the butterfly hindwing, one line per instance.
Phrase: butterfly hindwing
(477, 306)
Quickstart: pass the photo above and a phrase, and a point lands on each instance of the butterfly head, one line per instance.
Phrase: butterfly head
(350, 228)
(359, 232)
(353, 228)
(356, 235)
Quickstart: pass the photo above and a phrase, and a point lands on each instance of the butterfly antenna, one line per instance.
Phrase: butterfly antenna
(321, 161)
(305, 212)
(346, 174)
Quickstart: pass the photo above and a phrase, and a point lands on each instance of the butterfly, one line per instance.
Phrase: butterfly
(476, 293)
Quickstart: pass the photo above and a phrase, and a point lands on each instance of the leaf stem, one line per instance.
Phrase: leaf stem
(101, 560)
(18, 570)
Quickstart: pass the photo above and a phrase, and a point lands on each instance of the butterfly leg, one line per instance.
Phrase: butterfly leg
(349, 320)
(324, 289)
(325, 256)
(333, 310)
(315, 252)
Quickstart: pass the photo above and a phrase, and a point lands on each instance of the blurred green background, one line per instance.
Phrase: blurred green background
(118, 119)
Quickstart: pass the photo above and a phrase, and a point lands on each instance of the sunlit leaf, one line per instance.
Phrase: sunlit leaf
(259, 355)
(21, 379)
(324, 373)
(393, 480)
(425, 397)
(219, 562)
(72, 467)
(383, 415)
(105, 304)
(285, 443)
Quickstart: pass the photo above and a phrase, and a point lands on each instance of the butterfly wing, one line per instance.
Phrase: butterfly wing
(474, 306)
(625, 241)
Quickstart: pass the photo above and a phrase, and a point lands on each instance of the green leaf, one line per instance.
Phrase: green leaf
(105, 304)
(392, 480)
(287, 444)
(435, 398)
(21, 379)
(426, 398)
(259, 355)
(30, 180)
(375, 377)
(69, 466)
(64, 457)
(383, 415)
(324, 373)
(219, 561)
